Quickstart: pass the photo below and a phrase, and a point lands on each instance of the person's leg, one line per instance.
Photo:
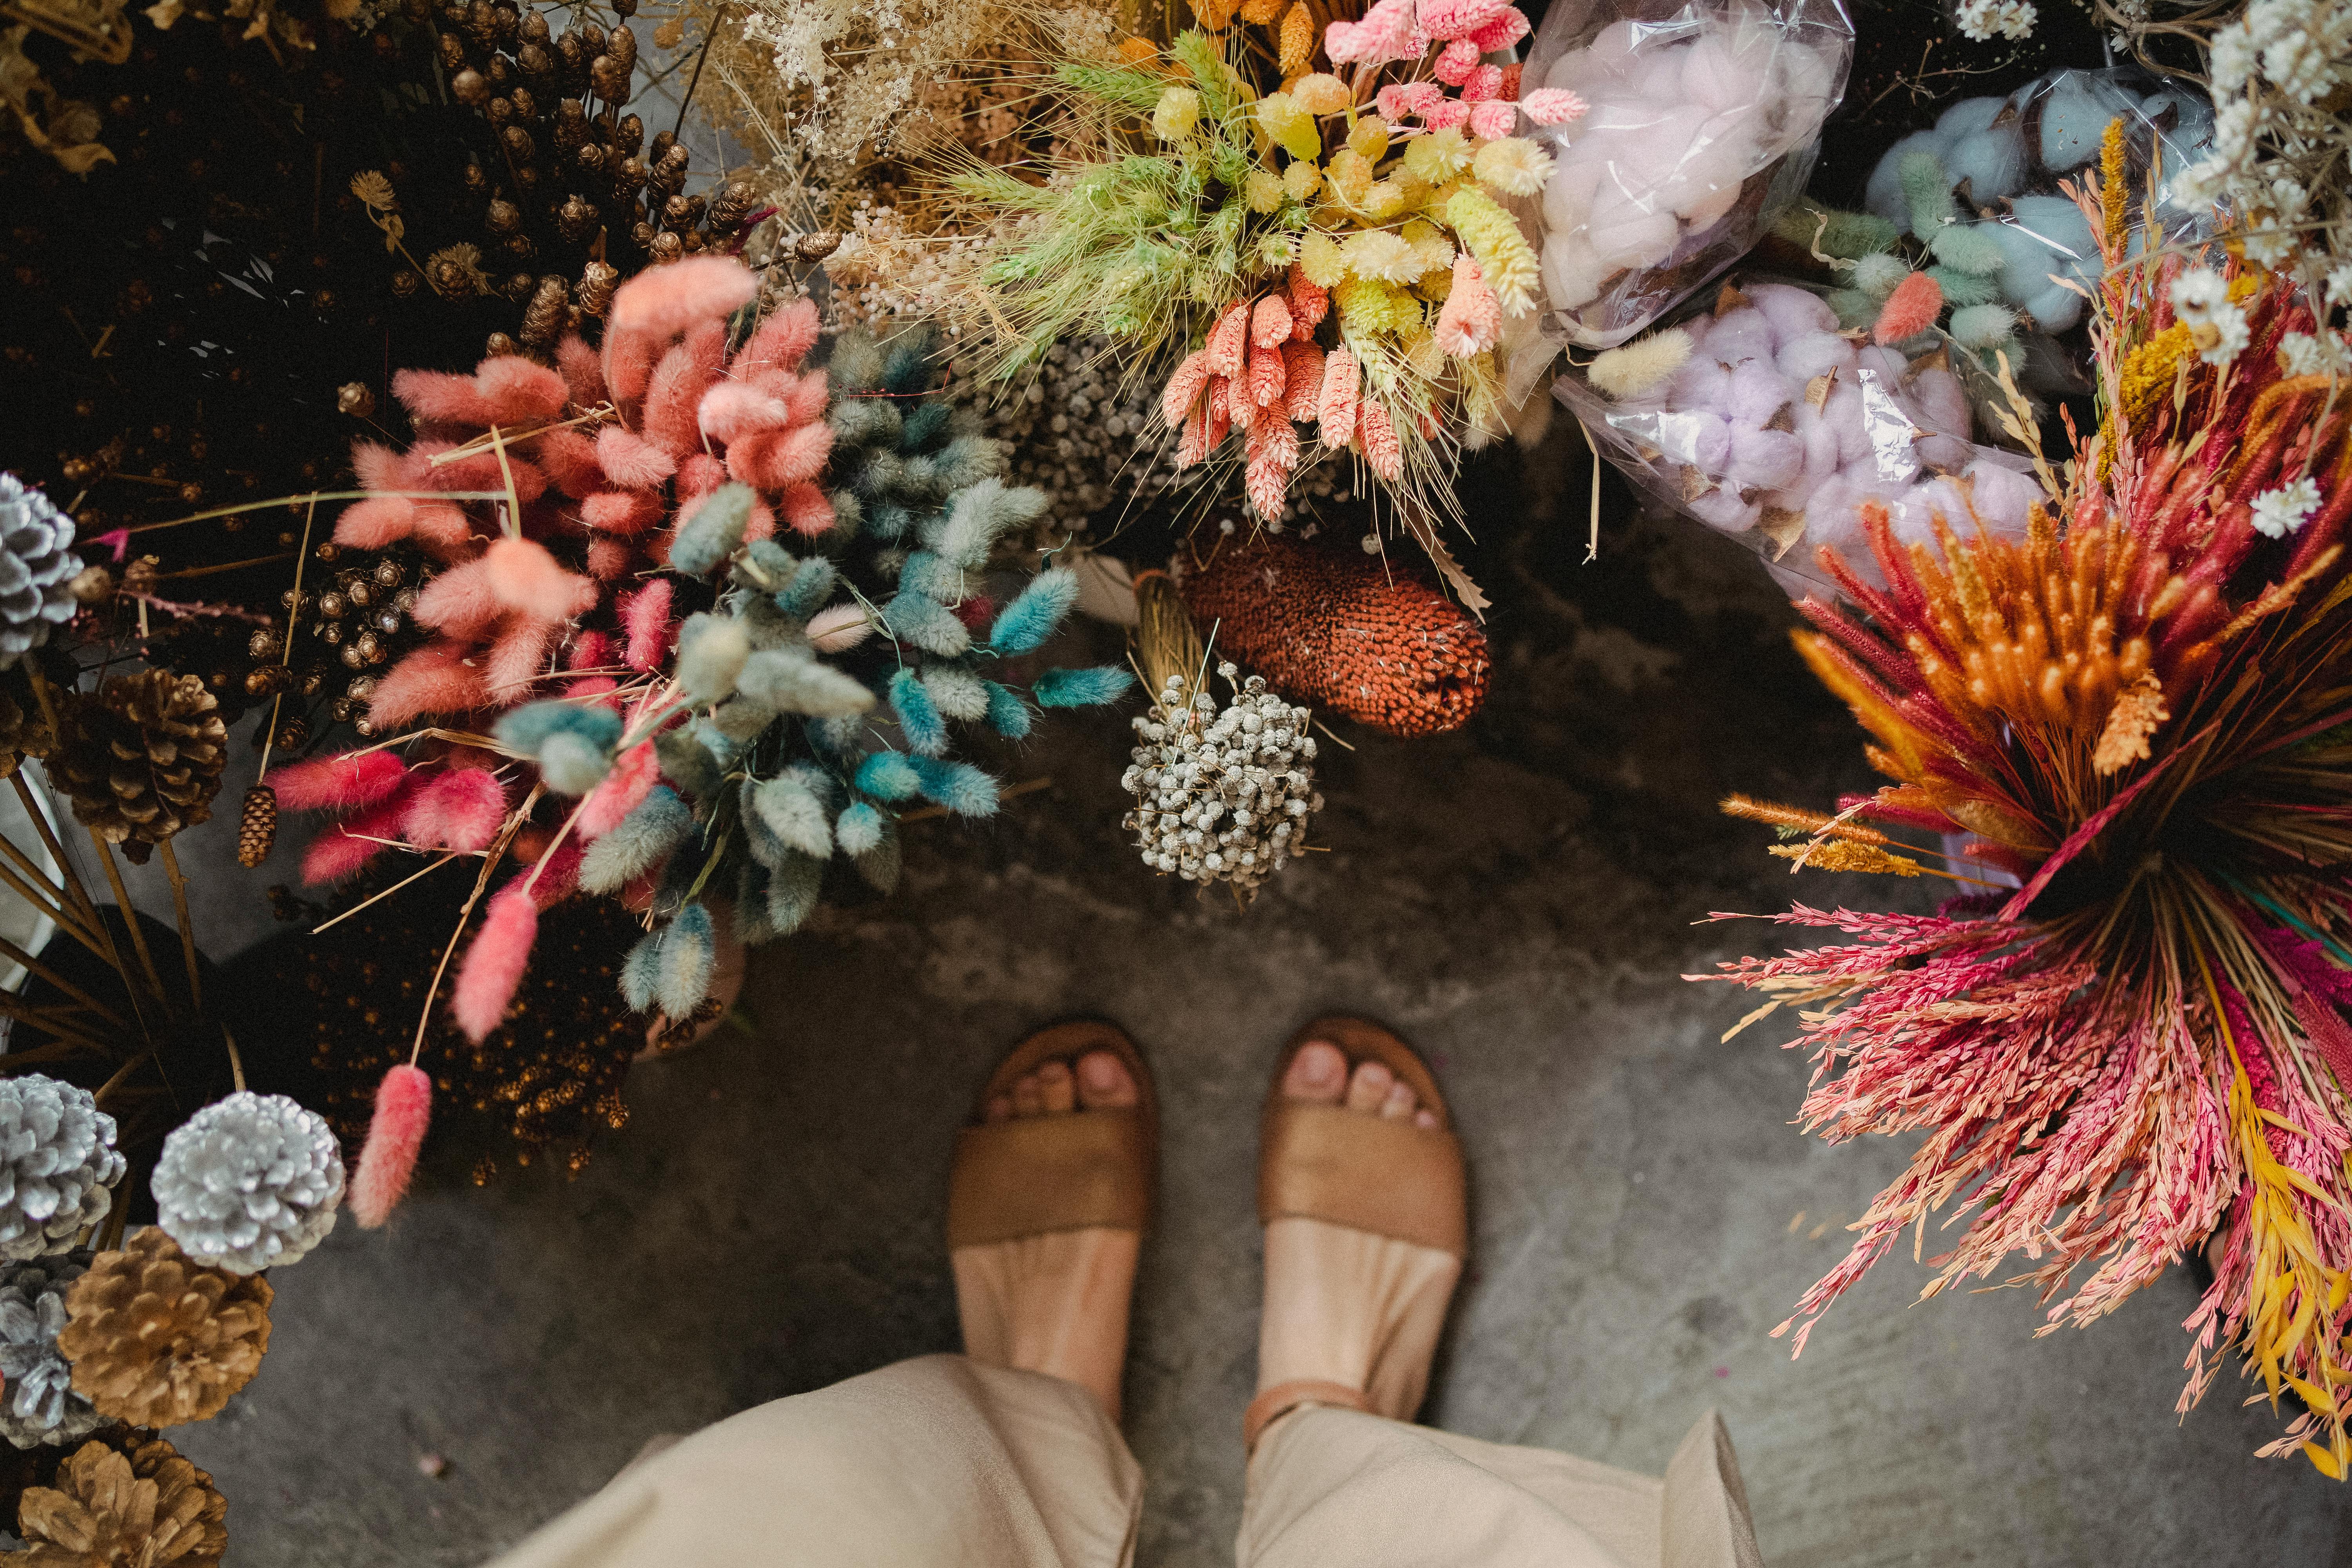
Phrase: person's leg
(1008, 1456)
(1357, 1310)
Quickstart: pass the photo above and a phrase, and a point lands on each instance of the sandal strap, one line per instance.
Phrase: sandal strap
(1284, 1398)
(1365, 1173)
(1036, 1174)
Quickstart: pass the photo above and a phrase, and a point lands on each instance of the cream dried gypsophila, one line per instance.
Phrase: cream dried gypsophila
(1222, 796)
(1985, 20)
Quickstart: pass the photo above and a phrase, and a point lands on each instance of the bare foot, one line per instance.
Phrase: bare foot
(1054, 1304)
(1344, 1306)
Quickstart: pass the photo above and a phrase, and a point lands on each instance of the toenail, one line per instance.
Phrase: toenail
(1100, 1072)
(1321, 1068)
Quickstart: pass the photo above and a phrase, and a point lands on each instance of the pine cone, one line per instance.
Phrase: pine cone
(41, 1404)
(57, 1165)
(23, 731)
(143, 1507)
(257, 827)
(36, 564)
(248, 1181)
(155, 1338)
(143, 758)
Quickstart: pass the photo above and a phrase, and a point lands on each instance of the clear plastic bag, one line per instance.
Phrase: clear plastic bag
(2004, 157)
(1759, 417)
(1702, 120)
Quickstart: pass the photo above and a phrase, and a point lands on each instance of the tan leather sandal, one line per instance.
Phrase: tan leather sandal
(1392, 1179)
(1036, 1174)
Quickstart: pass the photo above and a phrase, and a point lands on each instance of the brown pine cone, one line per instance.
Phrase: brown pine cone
(24, 733)
(143, 1507)
(157, 1338)
(256, 827)
(142, 758)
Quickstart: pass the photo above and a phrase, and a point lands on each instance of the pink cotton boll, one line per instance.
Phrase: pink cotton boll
(403, 1109)
(1740, 335)
(630, 460)
(493, 967)
(1657, 77)
(1723, 509)
(1764, 459)
(463, 809)
(2004, 497)
(621, 791)
(461, 602)
(623, 512)
(1503, 31)
(1616, 45)
(1708, 209)
(1697, 439)
(516, 391)
(337, 784)
(644, 617)
(570, 459)
(376, 523)
(806, 510)
(1494, 120)
(610, 560)
(1758, 392)
(783, 341)
(583, 372)
(1704, 382)
(1455, 62)
(439, 397)
(435, 678)
(662, 301)
(1809, 354)
(1717, 79)
(530, 581)
(517, 659)
(1794, 312)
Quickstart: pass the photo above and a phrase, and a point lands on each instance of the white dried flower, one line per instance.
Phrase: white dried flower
(1234, 808)
(1984, 20)
(2301, 353)
(2279, 513)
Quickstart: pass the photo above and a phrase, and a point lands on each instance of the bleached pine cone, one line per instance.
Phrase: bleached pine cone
(36, 564)
(40, 1405)
(248, 1182)
(57, 1165)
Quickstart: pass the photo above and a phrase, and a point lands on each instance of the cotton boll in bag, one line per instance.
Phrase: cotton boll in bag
(1723, 509)
(1740, 334)
(1703, 382)
(1758, 392)
(2003, 497)
(1568, 195)
(1993, 161)
(1697, 438)
(1815, 354)
(2047, 237)
(2075, 110)
(1884, 195)
(1967, 117)
(1764, 459)
(1792, 311)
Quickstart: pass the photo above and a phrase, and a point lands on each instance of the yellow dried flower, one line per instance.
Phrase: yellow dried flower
(2151, 369)
(2139, 710)
(1321, 259)
(1436, 285)
(1379, 254)
(1350, 174)
(1264, 189)
(1382, 200)
(1302, 180)
(1438, 156)
(374, 190)
(1292, 128)
(1297, 40)
(2115, 191)
(1259, 13)
(1492, 236)
(1178, 110)
(1433, 252)
(1369, 137)
(1838, 855)
(1422, 355)
(1212, 13)
(1369, 306)
(1321, 94)
(1135, 51)
(1513, 165)
(1811, 821)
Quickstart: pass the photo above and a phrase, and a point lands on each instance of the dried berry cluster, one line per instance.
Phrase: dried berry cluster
(1222, 796)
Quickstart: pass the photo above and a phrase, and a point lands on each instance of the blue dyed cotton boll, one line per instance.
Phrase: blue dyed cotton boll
(2046, 238)
(714, 532)
(2075, 111)
(1969, 117)
(1992, 159)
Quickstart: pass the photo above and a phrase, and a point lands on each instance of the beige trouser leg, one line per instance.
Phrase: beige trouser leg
(1338, 1487)
(938, 1460)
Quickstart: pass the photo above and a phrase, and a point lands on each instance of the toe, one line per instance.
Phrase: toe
(1104, 1082)
(999, 1109)
(1318, 1073)
(1028, 1096)
(1399, 1104)
(1425, 1118)
(1368, 1087)
(1057, 1089)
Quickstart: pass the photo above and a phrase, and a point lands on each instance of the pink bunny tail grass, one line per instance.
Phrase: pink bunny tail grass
(629, 365)
(570, 459)
(583, 371)
(623, 512)
(403, 1110)
(631, 460)
(519, 657)
(495, 964)
(838, 628)
(460, 810)
(644, 616)
(674, 396)
(589, 650)
(783, 341)
(662, 301)
(439, 397)
(459, 602)
(1911, 309)
(807, 510)
(526, 578)
(560, 878)
(379, 468)
(515, 391)
(734, 408)
(621, 791)
(1472, 320)
(341, 783)
(435, 678)
(348, 845)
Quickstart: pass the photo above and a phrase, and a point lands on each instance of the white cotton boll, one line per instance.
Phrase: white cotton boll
(2003, 497)
(1943, 402)
(1613, 117)
(1659, 76)
(1723, 509)
(1572, 273)
(1695, 439)
(1793, 312)
(1568, 195)
(1614, 48)
(1883, 194)
(1740, 334)
(1950, 453)
(1715, 79)
(1758, 392)
(1993, 161)
(1627, 236)
(1641, 159)
(1707, 209)
(1807, 80)
(1844, 415)
(1764, 459)
(1890, 367)
(1967, 117)
(1820, 445)
(1802, 359)
(1724, 149)
(1704, 383)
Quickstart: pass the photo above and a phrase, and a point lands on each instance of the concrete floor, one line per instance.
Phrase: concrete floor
(1519, 900)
